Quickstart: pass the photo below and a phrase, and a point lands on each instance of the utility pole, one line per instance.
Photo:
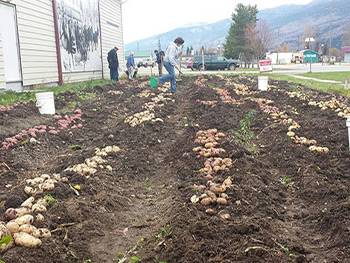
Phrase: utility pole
(330, 35)
(310, 56)
(298, 41)
(278, 47)
(159, 46)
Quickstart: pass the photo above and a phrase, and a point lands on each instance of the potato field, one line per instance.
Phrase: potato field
(218, 172)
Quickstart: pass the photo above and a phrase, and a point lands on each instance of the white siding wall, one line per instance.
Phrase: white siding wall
(2, 71)
(81, 76)
(37, 41)
(111, 31)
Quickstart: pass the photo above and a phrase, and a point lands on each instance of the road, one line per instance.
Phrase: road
(278, 69)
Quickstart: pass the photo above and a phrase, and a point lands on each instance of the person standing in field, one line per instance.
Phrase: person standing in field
(159, 61)
(172, 53)
(130, 64)
(113, 63)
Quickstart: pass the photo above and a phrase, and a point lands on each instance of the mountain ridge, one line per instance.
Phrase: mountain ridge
(291, 19)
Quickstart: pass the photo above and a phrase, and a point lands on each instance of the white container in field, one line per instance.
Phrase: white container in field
(262, 83)
(348, 125)
(45, 102)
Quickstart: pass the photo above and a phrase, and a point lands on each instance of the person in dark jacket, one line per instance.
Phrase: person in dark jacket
(159, 60)
(113, 63)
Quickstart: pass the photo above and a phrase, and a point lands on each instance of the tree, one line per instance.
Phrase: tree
(188, 51)
(258, 37)
(308, 32)
(285, 47)
(236, 40)
(346, 35)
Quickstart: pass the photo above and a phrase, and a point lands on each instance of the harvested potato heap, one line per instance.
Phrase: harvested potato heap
(214, 193)
(207, 102)
(115, 92)
(145, 94)
(200, 81)
(340, 108)
(45, 182)
(21, 224)
(282, 117)
(90, 165)
(210, 139)
(148, 114)
(226, 98)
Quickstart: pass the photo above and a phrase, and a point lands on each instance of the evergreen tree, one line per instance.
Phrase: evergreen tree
(236, 40)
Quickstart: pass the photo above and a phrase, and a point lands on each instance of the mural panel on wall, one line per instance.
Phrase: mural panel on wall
(79, 34)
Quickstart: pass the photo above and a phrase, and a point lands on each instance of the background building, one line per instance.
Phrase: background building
(50, 42)
(346, 51)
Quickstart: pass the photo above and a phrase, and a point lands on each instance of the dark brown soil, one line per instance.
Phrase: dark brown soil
(147, 195)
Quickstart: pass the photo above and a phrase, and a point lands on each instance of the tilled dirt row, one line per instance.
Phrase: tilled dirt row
(286, 202)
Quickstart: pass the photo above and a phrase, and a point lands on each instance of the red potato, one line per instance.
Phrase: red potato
(80, 125)
(78, 111)
(57, 117)
(10, 214)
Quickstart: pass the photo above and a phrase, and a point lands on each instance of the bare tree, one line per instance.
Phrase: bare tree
(308, 32)
(258, 37)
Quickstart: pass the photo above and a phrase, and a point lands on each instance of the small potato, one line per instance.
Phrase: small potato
(210, 194)
(217, 188)
(290, 134)
(47, 186)
(39, 208)
(27, 219)
(41, 201)
(221, 201)
(26, 228)
(223, 195)
(39, 218)
(28, 203)
(10, 214)
(42, 232)
(216, 168)
(23, 211)
(38, 180)
(206, 201)
(210, 211)
(12, 226)
(228, 182)
(28, 190)
(26, 240)
(45, 176)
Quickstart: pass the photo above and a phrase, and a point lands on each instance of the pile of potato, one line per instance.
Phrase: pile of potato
(265, 106)
(216, 164)
(40, 184)
(139, 118)
(145, 94)
(21, 224)
(318, 149)
(214, 193)
(115, 92)
(207, 102)
(148, 114)
(299, 95)
(226, 98)
(90, 165)
(200, 81)
(241, 89)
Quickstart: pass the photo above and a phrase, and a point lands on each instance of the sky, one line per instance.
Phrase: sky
(145, 18)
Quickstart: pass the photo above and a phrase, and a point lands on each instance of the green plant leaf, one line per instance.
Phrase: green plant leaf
(5, 240)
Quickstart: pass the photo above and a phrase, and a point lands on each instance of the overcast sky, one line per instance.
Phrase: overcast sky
(145, 18)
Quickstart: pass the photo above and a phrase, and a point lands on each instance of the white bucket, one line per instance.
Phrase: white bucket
(262, 83)
(45, 102)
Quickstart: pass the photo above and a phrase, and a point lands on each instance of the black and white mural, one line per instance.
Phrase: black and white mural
(79, 34)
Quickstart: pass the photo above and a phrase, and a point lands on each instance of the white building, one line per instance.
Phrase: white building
(279, 58)
(50, 42)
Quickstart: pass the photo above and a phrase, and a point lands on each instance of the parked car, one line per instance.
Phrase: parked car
(146, 62)
(214, 62)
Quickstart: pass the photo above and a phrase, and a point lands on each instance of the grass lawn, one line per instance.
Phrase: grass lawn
(322, 86)
(10, 97)
(337, 76)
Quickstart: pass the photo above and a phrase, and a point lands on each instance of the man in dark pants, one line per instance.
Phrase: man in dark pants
(113, 63)
(159, 61)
